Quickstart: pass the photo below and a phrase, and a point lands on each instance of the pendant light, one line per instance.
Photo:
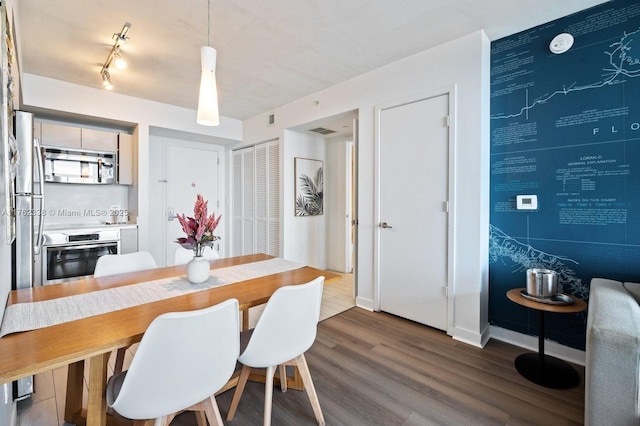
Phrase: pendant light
(208, 97)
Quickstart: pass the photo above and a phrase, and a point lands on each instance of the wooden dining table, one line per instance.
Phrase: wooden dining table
(93, 338)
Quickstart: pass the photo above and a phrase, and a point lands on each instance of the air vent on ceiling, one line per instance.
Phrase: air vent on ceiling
(322, 131)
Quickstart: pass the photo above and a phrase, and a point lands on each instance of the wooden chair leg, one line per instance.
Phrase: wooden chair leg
(268, 394)
(201, 418)
(212, 411)
(301, 363)
(206, 409)
(242, 381)
(282, 369)
(117, 368)
(168, 419)
(149, 422)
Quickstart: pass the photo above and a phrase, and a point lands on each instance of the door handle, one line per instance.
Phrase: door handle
(384, 225)
(171, 214)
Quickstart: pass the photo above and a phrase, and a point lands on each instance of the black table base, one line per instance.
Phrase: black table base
(549, 372)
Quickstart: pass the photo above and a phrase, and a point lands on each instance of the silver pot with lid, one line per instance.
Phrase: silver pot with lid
(542, 283)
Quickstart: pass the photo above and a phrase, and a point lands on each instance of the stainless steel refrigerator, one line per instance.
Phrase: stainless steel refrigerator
(29, 203)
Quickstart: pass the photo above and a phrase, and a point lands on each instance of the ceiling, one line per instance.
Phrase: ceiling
(269, 52)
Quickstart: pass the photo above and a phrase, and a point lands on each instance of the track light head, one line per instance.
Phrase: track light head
(118, 61)
(106, 79)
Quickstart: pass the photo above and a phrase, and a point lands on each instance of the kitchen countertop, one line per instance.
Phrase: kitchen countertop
(84, 226)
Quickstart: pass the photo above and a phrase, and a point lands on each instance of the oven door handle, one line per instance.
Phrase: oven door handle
(82, 246)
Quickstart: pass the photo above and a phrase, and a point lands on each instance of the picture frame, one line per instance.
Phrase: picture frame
(309, 186)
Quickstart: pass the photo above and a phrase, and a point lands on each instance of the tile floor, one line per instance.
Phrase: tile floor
(46, 406)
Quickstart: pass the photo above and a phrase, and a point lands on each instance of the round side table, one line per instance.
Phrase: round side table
(539, 368)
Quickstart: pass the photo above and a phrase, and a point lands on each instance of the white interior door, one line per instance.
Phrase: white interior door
(413, 153)
(183, 182)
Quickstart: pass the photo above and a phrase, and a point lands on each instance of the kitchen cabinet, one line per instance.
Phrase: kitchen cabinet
(99, 140)
(128, 240)
(126, 159)
(60, 135)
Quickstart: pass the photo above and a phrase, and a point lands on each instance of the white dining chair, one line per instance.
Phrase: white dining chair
(285, 331)
(183, 359)
(113, 264)
(183, 255)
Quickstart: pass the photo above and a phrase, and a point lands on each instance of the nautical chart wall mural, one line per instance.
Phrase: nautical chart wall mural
(565, 127)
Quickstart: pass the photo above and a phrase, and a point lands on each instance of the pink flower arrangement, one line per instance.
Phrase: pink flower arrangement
(199, 229)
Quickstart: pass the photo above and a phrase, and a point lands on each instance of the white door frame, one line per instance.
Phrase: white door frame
(451, 92)
(349, 228)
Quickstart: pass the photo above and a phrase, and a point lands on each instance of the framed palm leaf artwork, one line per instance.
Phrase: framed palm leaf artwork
(309, 187)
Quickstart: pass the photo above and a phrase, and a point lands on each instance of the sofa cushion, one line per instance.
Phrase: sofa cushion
(612, 370)
(634, 289)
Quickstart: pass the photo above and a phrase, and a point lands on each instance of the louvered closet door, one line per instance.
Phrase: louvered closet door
(243, 202)
(262, 194)
(248, 202)
(256, 200)
(273, 209)
(267, 191)
(237, 204)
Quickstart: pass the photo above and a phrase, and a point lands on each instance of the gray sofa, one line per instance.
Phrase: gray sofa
(612, 371)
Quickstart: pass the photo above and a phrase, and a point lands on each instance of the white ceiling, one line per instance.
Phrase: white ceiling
(269, 52)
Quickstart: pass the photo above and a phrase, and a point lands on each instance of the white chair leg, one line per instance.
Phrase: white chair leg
(282, 370)
(301, 362)
(268, 394)
(242, 381)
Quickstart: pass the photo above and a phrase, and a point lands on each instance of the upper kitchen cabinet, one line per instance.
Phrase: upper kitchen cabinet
(58, 135)
(76, 137)
(126, 159)
(99, 140)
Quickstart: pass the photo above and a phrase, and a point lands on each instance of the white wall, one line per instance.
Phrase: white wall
(303, 236)
(463, 63)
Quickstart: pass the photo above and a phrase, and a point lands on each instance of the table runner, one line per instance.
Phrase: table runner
(33, 315)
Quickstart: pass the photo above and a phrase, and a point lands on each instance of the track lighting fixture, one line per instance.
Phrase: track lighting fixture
(115, 56)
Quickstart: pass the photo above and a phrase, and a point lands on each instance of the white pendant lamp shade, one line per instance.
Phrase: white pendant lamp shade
(208, 99)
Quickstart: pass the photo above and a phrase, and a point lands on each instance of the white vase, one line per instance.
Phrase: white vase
(198, 270)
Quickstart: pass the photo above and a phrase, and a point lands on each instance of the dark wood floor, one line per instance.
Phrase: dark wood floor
(376, 369)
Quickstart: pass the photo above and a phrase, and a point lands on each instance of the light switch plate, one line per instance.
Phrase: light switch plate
(527, 202)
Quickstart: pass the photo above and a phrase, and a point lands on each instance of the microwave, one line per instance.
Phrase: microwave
(79, 166)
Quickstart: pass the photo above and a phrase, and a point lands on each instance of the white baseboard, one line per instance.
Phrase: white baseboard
(531, 342)
(470, 337)
(364, 303)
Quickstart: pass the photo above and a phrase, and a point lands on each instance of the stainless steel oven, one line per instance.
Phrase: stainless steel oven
(70, 255)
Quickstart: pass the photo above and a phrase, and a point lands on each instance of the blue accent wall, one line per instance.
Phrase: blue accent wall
(565, 127)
